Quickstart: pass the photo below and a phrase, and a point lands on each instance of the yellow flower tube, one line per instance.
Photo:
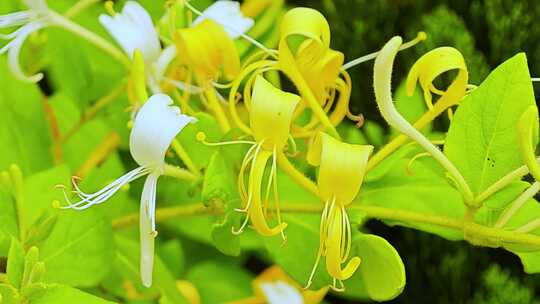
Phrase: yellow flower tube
(209, 50)
(310, 26)
(341, 171)
(433, 64)
(271, 112)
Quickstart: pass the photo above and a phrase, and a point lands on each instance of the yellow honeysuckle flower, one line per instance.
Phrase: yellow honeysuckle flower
(312, 66)
(207, 48)
(271, 111)
(433, 64)
(341, 171)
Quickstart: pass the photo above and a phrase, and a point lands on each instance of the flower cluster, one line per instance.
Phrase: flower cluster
(202, 59)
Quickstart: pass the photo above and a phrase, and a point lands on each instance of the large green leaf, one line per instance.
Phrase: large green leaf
(127, 265)
(219, 282)
(419, 187)
(62, 294)
(21, 113)
(381, 273)
(482, 139)
(298, 254)
(78, 248)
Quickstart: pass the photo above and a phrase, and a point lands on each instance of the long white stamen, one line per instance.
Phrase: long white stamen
(535, 79)
(248, 38)
(120, 180)
(88, 200)
(16, 19)
(184, 86)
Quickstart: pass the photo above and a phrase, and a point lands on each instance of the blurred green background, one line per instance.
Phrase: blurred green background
(487, 32)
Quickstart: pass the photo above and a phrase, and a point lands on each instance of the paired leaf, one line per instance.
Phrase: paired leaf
(482, 141)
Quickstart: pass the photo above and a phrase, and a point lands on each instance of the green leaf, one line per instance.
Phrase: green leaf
(78, 249)
(482, 139)
(381, 272)
(40, 192)
(15, 263)
(21, 113)
(199, 152)
(127, 264)
(8, 294)
(530, 261)
(220, 282)
(298, 254)
(219, 181)
(222, 235)
(62, 294)
(8, 222)
(172, 255)
(410, 107)
(417, 187)
(493, 207)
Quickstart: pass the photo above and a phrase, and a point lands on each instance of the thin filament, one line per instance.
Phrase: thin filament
(419, 38)
(248, 38)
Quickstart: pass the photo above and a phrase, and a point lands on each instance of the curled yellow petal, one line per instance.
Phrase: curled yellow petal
(305, 40)
(271, 114)
(337, 240)
(342, 167)
(207, 48)
(528, 139)
(430, 66)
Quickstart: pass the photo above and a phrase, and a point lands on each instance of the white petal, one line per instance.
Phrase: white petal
(133, 29)
(14, 50)
(281, 292)
(228, 14)
(146, 228)
(157, 123)
(165, 58)
(15, 19)
(37, 5)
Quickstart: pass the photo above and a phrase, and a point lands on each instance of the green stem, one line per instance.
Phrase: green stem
(165, 214)
(177, 172)
(517, 204)
(79, 7)
(482, 235)
(184, 156)
(91, 37)
(533, 225)
(503, 182)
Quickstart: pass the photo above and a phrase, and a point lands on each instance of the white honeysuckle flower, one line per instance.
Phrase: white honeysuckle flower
(156, 124)
(280, 292)
(30, 21)
(133, 29)
(227, 13)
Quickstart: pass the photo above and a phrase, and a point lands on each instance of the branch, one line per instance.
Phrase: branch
(474, 233)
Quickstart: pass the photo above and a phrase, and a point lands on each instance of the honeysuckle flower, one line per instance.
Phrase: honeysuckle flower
(341, 171)
(382, 78)
(430, 66)
(30, 21)
(270, 112)
(133, 29)
(210, 53)
(275, 286)
(157, 123)
(227, 13)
